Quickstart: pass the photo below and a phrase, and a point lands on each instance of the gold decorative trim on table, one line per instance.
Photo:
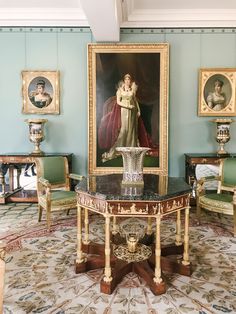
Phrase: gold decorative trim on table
(142, 253)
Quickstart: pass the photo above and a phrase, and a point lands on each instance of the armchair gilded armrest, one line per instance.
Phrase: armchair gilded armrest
(200, 183)
(44, 187)
(75, 176)
(44, 182)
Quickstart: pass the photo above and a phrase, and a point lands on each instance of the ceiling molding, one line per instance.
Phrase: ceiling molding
(43, 17)
(104, 19)
(181, 18)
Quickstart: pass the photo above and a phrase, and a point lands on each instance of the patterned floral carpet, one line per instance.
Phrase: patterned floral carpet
(40, 275)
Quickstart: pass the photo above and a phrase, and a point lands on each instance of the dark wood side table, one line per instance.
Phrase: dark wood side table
(10, 161)
(159, 197)
(194, 159)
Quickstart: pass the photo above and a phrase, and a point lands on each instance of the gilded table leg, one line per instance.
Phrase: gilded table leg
(80, 256)
(149, 226)
(157, 279)
(107, 278)
(178, 229)
(86, 227)
(186, 238)
(115, 227)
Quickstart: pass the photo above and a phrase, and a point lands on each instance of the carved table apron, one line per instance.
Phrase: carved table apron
(159, 197)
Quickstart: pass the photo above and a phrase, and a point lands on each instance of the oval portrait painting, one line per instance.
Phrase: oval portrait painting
(40, 92)
(217, 92)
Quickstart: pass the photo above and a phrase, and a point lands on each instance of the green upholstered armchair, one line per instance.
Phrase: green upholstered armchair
(224, 201)
(53, 186)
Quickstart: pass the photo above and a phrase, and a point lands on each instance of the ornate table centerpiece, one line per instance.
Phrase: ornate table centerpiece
(132, 164)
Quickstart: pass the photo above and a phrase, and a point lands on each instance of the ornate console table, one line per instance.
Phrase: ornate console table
(8, 162)
(159, 197)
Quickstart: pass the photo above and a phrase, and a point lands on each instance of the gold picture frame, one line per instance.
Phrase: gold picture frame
(148, 68)
(217, 92)
(40, 92)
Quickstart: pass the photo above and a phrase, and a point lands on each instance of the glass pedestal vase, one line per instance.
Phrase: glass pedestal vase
(36, 134)
(222, 134)
(133, 158)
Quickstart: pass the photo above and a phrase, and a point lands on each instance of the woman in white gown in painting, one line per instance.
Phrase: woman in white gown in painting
(129, 114)
(216, 99)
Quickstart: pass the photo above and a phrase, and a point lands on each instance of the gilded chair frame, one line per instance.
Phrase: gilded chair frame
(46, 189)
(225, 206)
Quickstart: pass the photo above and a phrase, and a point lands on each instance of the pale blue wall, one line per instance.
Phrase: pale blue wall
(65, 49)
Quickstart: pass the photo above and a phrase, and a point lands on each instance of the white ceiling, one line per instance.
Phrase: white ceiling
(106, 17)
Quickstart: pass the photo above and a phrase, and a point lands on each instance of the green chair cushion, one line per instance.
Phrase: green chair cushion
(60, 199)
(220, 197)
(221, 203)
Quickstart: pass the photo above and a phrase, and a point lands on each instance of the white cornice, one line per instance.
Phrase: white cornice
(104, 19)
(181, 18)
(43, 17)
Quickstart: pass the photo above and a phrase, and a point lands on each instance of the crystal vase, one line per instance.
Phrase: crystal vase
(36, 134)
(133, 158)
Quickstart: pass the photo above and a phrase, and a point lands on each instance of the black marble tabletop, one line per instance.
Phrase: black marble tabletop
(208, 155)
(30, 155)
(155, 187)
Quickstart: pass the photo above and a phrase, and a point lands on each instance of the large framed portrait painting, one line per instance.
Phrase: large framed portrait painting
(40, 91)
(128, 104)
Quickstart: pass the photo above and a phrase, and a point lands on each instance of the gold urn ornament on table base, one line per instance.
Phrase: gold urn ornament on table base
(36, 134)
(131, 250)
(222, 134)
